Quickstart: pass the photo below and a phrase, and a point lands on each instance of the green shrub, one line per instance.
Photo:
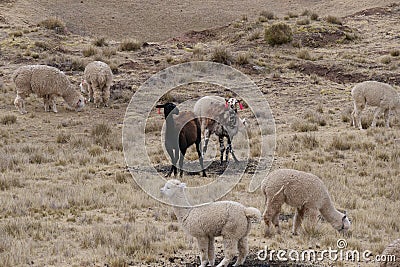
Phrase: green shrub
(277, 34)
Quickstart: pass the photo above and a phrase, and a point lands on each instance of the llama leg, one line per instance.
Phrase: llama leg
(230, 245)
(377, 111)
(211, 251)
(206, 139)
(173, 160)
(200, 159)
(229, 148)
(386, 114)
(243, 248)
(203, 242)
(181, 157)
(298, 218)
(221, 148)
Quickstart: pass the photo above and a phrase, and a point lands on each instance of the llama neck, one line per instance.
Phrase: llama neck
(332, 215)
(180, 212)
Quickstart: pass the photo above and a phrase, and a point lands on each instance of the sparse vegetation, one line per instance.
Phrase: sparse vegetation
(395, 53)
(100, 42)
(303, 22)
(89, 51)
(277, 34)
(8, 119)
(221, 54)
(243, 58)
(130, 45)
(53, 23)
(314, 16)
(267, 14)
(333, 20)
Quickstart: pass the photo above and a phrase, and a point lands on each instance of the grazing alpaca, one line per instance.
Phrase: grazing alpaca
(181, 132)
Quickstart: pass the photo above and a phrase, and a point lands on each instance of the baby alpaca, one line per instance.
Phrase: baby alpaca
(97, 81)
(228, 219)
(304, 191)
(376, 94)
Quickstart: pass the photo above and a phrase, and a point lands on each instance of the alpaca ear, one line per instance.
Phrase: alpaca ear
(344, 218)
(182, 185)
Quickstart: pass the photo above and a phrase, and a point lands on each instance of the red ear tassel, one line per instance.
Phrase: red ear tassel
(240, 106)
(158, 111)
(226, 104)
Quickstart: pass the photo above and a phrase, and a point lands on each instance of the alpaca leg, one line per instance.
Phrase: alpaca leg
(221, 148)
(386, 114)
(377, 111)
(353, 121)
(271, 216)
(19, 103)
(97, 94)
(211, 251)
(90, 90)
(106, 95)
(298, 218)
(53, 103)
(357, 115)
(46, 103)
(243, 248)
(203, 242)
(231, 246)
(200, 159)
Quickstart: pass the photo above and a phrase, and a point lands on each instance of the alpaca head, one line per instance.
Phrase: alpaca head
(169, 108)
(345, 225)
(171, 187)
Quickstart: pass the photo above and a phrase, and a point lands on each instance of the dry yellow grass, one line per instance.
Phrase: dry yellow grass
(66, 192)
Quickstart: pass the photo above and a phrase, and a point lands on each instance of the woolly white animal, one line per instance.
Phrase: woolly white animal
(229, 219)
(392, 250)
(97, 81)
(304, 191)
(46, 82)
(219, 116)
(377, 94)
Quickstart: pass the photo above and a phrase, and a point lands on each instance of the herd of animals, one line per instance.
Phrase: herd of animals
(215, 115)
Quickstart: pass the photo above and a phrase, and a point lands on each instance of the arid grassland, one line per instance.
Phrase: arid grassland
(67, 198)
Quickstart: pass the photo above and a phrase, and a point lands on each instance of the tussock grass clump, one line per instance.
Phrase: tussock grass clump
(95, 150)
(101, 130)
(89, 51)
(109, 51)
(334, 20)
(304, 126)
(53, 23)
(340, 143)
(386, 60)
(277, 34)
(222, 55)
(304, 54)
(63, 138)
(314, 16)
(243, 58)
(292, 15)
(267, 14)
(254, 35)
(395, 53)
(303, 22)
(15, 34)
(100, 42)
(130, 45)
(8, 119)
